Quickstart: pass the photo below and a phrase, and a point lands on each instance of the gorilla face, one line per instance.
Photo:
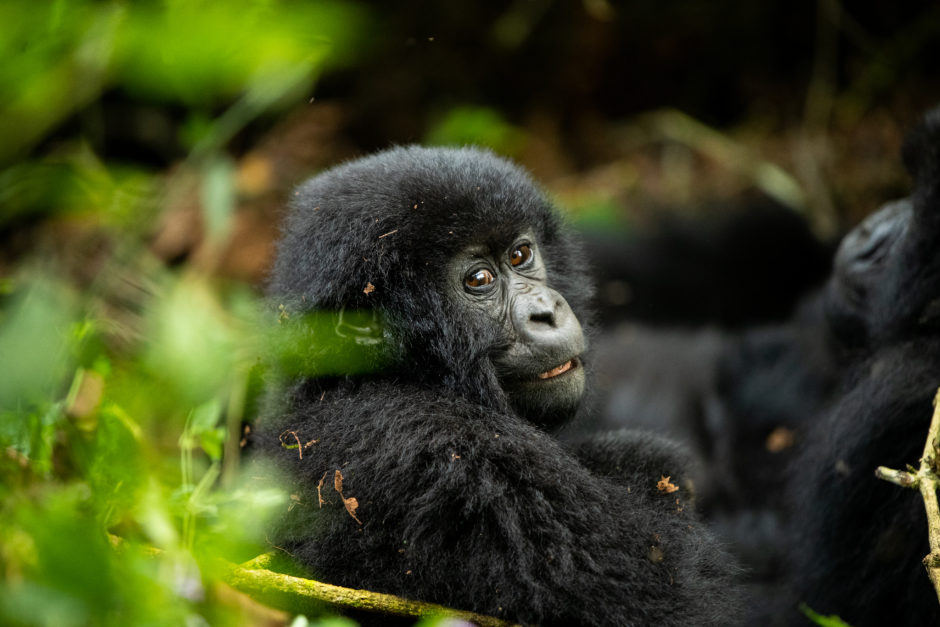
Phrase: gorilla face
(863, 253)
(538, 360)
(861, 266)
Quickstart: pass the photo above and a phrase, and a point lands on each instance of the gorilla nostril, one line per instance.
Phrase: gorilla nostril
(544, 317)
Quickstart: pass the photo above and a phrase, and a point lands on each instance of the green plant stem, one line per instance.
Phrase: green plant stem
(295, 594)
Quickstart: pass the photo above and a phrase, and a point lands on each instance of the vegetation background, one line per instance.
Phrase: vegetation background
(146, 151)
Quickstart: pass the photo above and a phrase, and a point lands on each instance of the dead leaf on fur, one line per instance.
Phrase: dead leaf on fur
(351, 506)
(338, 481)
(664, 485)
(320, 487)
(298, 446)
(368, 289)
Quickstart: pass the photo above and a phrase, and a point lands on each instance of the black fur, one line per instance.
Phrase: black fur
(741, 401)
(461, 500)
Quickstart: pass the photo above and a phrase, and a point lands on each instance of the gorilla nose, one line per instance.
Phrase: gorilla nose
(543, 318)
(543, 311)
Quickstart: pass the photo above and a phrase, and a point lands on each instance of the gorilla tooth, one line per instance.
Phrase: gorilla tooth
(554, 372)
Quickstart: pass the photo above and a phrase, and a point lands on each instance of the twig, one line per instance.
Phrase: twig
(925, 478)
(296, 594)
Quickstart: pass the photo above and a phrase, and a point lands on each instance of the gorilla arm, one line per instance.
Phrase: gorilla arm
(638, 460)
(468, 507)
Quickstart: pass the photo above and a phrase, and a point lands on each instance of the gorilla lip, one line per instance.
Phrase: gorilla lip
(554, 372)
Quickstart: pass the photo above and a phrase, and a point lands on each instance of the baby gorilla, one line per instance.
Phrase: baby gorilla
(432, 299)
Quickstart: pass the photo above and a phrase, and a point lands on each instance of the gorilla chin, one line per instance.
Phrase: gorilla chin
(550, 398)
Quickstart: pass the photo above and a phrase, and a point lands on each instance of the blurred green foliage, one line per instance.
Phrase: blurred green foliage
(480, 126)
(123, 386)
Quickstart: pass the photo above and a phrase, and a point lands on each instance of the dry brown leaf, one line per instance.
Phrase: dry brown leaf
(664, 485)
(320, 488)
(351, 506)
(338, 481)
(368, 289)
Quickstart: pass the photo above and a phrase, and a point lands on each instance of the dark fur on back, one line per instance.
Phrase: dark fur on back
(461, 500)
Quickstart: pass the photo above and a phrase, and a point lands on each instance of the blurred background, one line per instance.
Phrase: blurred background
(710, 152)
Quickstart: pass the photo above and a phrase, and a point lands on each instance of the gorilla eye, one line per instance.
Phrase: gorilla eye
(479, 278)
(520, 255)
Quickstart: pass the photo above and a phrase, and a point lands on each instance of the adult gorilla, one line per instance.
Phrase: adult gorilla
(860, 541)
(458, 290)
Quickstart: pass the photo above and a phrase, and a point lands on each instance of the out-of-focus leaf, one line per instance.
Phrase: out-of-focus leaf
(118, 470)
(32, 434)
(479, 126)
(218, 198)
(34, 346)
(79, 183)
(598, 214)
(200, 53)
(325, 342)
(191, 348)
(55, 59)
(823, 621)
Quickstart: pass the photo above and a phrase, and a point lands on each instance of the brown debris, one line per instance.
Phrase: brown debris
(368, 289)
(351, 506)
(338, 482)
(300, 449)
(656, 555)
(320, 488)
(664, 485)
(780, 439)
(350, 503)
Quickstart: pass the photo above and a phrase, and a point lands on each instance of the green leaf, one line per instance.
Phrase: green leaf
(824, 621)
(480, 126)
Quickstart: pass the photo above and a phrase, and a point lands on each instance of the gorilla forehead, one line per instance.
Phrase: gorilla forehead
(403, 211)
(459, 195)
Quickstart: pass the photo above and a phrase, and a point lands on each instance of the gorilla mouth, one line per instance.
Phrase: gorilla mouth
(554, 372)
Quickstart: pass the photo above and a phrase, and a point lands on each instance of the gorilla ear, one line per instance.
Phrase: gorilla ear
(361, 326)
